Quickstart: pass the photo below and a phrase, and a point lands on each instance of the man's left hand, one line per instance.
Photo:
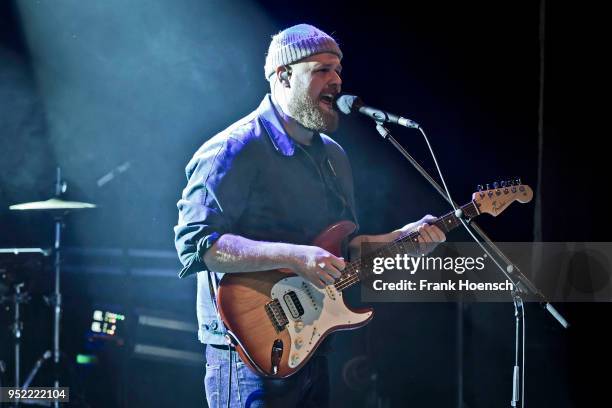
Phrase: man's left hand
(429, 234)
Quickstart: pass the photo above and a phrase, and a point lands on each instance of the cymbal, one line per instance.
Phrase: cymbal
(52, 204)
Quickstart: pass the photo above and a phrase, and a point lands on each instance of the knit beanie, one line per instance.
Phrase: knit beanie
(296, 43)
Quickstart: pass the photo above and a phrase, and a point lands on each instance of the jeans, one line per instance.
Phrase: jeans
(308, 388)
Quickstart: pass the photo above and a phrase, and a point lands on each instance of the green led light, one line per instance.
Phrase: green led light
(86, 359)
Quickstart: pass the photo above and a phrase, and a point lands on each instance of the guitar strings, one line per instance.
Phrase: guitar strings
(352, 275)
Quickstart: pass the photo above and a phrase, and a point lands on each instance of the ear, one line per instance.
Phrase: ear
(284, 73)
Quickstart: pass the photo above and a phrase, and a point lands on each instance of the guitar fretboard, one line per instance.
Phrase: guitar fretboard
(407, 244)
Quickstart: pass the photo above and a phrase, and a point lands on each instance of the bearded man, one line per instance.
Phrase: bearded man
(258, 193)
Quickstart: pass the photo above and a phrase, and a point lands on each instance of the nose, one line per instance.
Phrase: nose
(337, 81)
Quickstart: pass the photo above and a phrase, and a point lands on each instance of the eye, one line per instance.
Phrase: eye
(326, 70)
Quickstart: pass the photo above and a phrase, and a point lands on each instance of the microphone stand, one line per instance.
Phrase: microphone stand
(521, 284)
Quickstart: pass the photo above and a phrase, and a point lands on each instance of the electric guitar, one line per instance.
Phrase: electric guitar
(276, 319)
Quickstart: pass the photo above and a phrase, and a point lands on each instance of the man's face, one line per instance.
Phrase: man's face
(315, 82)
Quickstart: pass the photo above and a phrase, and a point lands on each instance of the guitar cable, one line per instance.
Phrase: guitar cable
(229, 382)
(213, 289)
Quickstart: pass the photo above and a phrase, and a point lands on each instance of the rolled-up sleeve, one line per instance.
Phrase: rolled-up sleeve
(217, 191)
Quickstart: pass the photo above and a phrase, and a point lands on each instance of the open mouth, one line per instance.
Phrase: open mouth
(327, 100)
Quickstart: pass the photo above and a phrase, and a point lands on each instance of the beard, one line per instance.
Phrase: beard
(309, 113)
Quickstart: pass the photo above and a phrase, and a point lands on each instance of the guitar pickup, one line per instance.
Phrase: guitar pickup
(293, 304)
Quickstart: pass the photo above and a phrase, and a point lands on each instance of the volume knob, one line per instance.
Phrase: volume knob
(299, 342)
(299, 325)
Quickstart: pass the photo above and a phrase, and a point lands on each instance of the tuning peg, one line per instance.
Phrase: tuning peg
(496, 185)
(503, 183)
(488, 188)
(479, 187)
(518, 181)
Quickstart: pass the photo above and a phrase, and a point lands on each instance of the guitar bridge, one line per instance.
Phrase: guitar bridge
(276, 315)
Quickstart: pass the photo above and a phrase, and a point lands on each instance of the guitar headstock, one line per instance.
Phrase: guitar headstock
(494, 198)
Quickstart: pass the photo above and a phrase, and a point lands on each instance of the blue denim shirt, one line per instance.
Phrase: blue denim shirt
(253, 180)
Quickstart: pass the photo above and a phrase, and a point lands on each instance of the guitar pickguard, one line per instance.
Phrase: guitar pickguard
(312, 315)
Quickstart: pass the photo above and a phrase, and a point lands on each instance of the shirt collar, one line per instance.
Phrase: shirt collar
(271, 121)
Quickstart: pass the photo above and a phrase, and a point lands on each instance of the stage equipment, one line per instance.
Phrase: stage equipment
(58, 208)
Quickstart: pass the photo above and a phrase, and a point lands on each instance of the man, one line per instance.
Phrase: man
(258, 193)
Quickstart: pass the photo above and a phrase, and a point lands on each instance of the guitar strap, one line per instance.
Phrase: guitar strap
(339, 190)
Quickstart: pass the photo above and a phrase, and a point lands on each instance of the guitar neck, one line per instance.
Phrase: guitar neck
(446, 223)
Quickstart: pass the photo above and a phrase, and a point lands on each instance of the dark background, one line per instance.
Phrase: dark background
(135, 89)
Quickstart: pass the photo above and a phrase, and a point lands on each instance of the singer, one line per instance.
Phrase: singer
(257, 194)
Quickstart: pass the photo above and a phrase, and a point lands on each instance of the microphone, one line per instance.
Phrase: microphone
(351, 103)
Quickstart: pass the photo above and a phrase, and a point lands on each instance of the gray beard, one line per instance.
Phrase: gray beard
(309, 114)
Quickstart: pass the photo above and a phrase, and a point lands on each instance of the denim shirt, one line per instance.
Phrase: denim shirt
(253, 180)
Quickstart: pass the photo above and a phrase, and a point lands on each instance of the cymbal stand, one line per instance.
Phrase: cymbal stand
(56, 299)
(18, 298)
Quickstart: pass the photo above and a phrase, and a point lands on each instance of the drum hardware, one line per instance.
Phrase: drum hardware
(59, 208)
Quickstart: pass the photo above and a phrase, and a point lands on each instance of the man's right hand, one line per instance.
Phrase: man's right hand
(317, 265)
